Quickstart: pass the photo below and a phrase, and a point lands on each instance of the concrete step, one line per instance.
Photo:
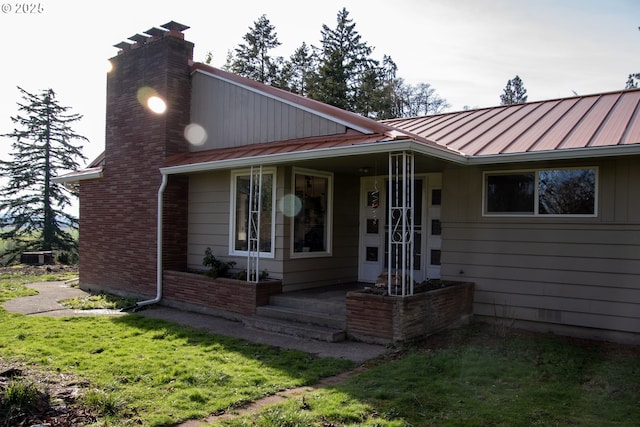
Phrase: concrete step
(309, 304)
(296, 329)
(303, 315)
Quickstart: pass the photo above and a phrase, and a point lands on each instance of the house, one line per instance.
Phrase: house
(537, 204)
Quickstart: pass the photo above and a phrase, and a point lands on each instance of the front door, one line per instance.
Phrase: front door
(373, 227)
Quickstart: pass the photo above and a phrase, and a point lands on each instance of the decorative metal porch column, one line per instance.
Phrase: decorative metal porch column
(253, 226)
(401, 224)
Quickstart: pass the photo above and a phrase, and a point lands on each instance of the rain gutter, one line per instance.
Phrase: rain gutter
(568, 154)
(158, 296)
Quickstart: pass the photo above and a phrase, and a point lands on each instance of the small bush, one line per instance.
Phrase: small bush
(217, 268)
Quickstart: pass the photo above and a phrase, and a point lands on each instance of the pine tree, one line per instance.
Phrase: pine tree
(343, 64)
(514, 92)
(632, 81)
(31, 206)
(252, 58)
(296, 71)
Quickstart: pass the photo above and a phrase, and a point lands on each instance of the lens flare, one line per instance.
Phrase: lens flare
(290, 205)
(157, 104)
(148, 97)
(195, 134)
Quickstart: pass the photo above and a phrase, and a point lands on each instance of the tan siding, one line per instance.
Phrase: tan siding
(233, 116)
(209, 227)
(342, 266)
(573, 272)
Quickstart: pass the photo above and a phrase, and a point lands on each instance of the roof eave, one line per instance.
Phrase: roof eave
(75, 177)
(275, 159)
(567, 154)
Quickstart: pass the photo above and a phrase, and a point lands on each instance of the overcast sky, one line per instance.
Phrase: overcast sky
(466, 49)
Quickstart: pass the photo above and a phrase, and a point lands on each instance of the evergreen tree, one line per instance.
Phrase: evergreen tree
(344, 63)
(296, 71)
(31, 206)
(514, 92)
(340, 72)
(632, 81)
(252, 58)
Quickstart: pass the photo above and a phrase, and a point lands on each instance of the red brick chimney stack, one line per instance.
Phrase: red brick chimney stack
(119, 211)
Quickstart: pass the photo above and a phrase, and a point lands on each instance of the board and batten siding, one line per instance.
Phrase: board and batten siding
(234, 116)
(576, 275)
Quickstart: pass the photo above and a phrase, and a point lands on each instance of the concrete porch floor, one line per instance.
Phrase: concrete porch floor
(330, 293)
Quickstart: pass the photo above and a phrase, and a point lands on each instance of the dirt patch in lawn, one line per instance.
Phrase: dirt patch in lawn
(36, 397)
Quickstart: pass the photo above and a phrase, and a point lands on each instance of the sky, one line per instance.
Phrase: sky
(466, 50)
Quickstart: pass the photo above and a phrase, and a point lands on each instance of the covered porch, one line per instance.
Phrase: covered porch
(321, 221)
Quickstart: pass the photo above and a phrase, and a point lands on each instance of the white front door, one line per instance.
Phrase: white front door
(373, 252)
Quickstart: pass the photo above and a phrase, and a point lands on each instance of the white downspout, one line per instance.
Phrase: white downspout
(158, 297)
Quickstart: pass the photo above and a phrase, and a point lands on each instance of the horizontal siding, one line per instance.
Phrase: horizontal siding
(573, 272)
(209, 218)
(342, 265)
(233, 116)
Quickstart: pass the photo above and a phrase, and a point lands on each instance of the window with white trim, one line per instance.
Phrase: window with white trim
(312, 222)
(544, 192)
(240, 191)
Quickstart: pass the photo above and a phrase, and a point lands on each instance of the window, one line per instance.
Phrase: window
(312, 224)
(240, 191)
(543, 192)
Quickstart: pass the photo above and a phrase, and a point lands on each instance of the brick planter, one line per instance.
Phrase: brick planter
(197, 292)
(372, 317)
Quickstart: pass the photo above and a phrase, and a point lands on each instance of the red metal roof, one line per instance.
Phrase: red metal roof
(601, 120)
(348, 139)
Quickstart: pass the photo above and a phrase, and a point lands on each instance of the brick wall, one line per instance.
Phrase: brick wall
(118, 213)
(377, 318)
(230, 295)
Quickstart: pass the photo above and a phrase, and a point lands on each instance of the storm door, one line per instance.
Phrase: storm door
(373, 254)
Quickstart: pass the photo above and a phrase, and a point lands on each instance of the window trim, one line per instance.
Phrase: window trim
(321, 174)
(536, 195)
(233, 211)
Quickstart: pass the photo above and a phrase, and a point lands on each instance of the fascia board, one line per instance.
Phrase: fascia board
(568, 154)
(66, 179)
(272, 159)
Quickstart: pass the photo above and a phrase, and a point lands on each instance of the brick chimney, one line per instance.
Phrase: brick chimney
(118, 213)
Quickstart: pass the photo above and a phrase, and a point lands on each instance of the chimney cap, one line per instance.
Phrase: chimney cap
(155, 31)
(175, 26)
(123, 45)
(139, 38)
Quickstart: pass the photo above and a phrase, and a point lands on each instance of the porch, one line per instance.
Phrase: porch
(329, 313)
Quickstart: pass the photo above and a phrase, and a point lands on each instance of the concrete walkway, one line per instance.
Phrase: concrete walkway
(46, 304)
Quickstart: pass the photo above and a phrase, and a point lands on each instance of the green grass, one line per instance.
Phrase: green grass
(150, 372)
(518, 381)
(99, 301)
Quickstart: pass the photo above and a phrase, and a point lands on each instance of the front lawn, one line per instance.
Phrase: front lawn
(144, 371)
(474, 377)
(140, 371)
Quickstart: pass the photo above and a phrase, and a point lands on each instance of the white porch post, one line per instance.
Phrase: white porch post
(253, 226)
(401, 195)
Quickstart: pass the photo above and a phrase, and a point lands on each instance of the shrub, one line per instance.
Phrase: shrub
(217, 268)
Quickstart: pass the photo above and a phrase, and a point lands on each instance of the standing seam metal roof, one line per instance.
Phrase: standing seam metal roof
(601, 120)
